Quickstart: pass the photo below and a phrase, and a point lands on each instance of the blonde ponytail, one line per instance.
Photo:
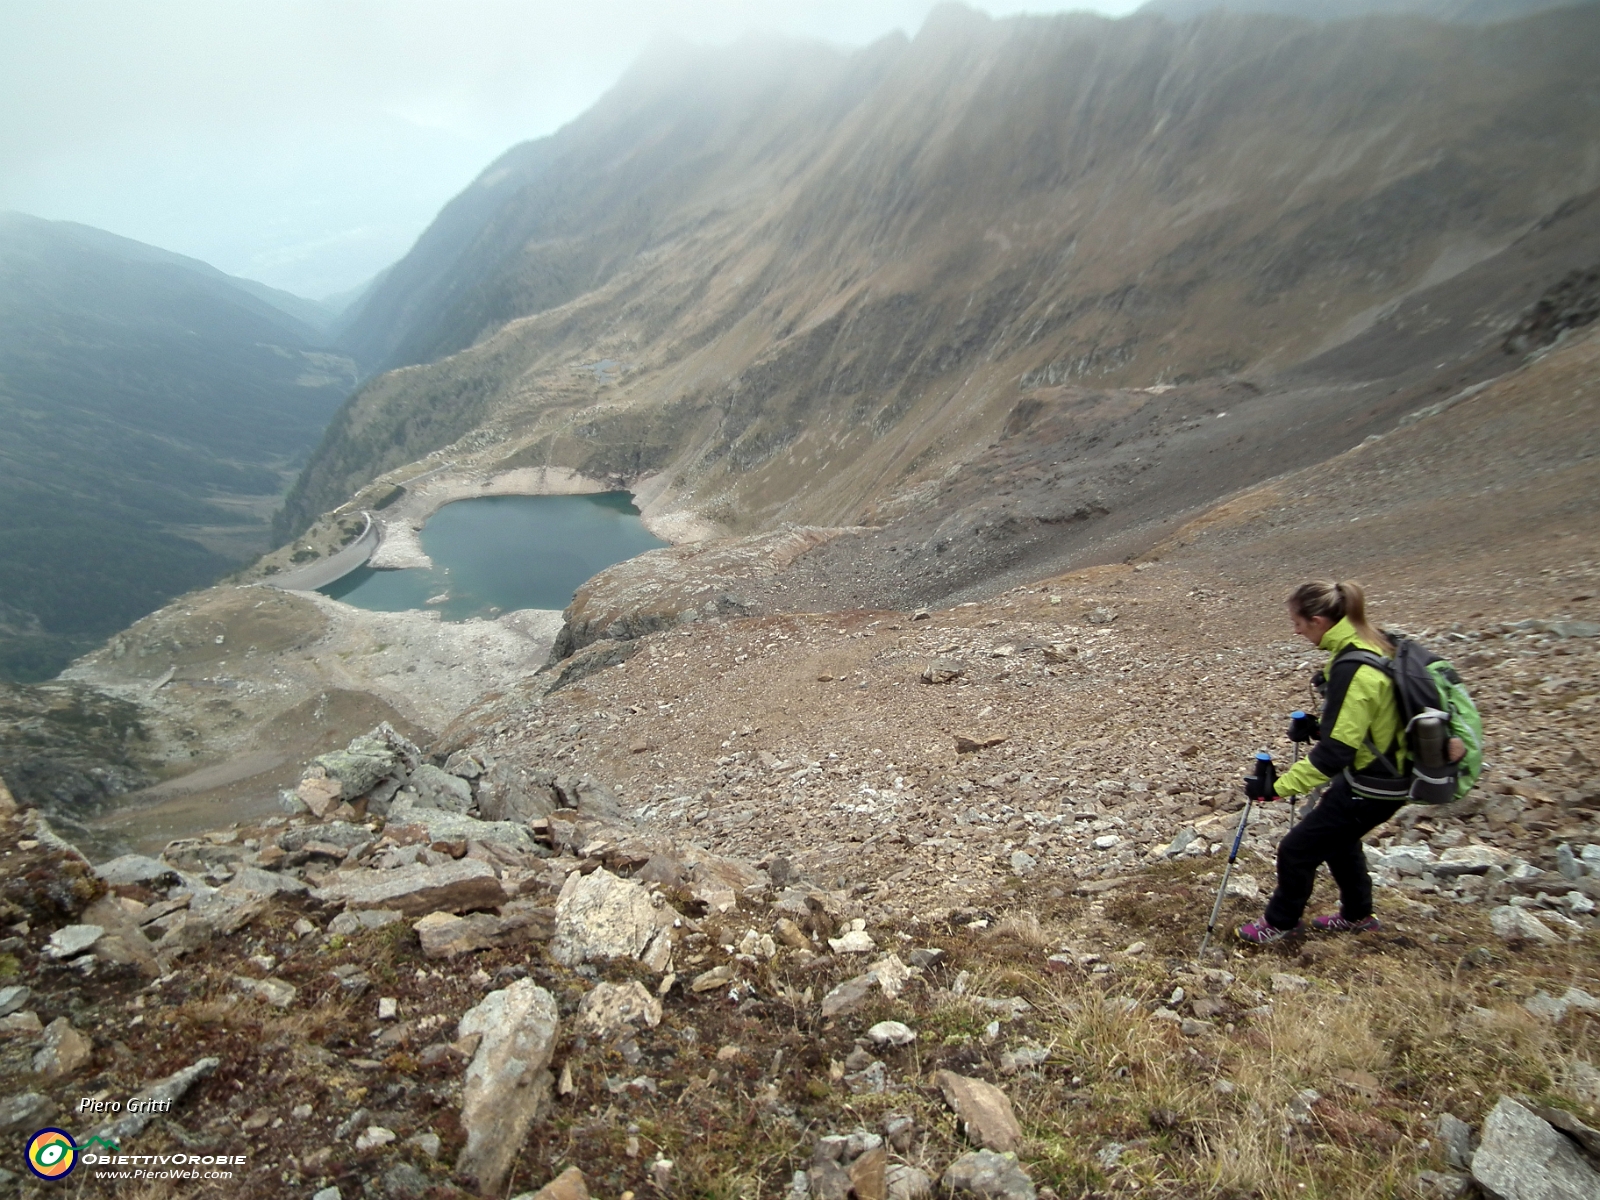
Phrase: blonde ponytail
(1339, 601)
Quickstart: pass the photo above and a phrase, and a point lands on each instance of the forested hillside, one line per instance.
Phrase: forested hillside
(151, 409)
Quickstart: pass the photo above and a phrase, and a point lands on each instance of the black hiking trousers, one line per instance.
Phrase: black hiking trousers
(1330, 833)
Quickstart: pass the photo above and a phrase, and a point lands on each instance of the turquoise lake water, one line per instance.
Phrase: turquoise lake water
(505, 552)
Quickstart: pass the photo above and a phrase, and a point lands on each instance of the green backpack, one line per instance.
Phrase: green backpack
(1427, 686)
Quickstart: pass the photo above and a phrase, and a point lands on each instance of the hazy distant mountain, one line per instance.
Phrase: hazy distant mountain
(149, 409)
(802, 282)
(1472, 12)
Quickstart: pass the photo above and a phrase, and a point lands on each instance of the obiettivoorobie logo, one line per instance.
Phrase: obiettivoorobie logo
(52, 1154)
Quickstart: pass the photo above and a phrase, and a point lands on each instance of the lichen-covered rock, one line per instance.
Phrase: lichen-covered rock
(600, 916)
(988, 1174)
(1520, 1157)
(508, 1081)
(358, 770)
(440, 789)
(461, 885)
(137, 869)
(64, 1051)
(611, 1010)
(984, 1110)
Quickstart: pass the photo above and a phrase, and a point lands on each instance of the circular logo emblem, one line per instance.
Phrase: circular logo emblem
(52, 1154)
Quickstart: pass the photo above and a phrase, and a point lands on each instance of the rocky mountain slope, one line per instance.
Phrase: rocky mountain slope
(799, 284)
(865, 902)
(150, 409)
(1467, 11)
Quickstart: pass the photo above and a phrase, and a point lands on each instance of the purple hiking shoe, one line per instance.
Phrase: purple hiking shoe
(1259, 933)
(1337, 924)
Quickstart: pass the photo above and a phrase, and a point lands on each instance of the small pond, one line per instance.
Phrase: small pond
(497, 553)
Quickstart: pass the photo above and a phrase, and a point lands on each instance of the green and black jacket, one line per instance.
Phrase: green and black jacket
(1359, 719)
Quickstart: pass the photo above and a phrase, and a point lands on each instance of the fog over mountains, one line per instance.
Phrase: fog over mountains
(819, 277)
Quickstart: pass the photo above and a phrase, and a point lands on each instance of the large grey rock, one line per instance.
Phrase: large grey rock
(1520, 1157)
(1518, 924)
(25, 1112)
(358, 770)
(611, 1010)
(255, 881)
(64, 1051)
(465, 764)
(600, 916)
(442, 826)
(12, 998)
(343, 834)
(274, 991)
(137, 870)
(154, 1100)
(983, 1109)
(589, 796)
(460, 885)
(1456, 1136)
(904, 1182)
(123, 942)
(440, 789)
(72, 940)
(986, 1173)
(509, 793)
(508, 1081)
(444, 935)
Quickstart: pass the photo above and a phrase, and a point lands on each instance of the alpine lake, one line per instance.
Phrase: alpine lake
(494, 554)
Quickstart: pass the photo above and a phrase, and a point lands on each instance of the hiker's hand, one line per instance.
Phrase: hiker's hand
(1458, 749)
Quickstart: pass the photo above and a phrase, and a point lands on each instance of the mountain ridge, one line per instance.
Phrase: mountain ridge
(1006, 204)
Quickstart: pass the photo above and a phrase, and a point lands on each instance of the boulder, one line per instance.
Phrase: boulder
(983, 1109)
(460, 885)
(440, 789)
(508, 1081)
(153, 1100)
(589, 796)
(445, 935)
(1518, 924)
(64, 1051)
(13, 998)
(465, 764)
(317, 793)
(867, 1175)
(123, 942)
(437, 825)
(600, 916)
(358, 768)
(507, 793)
(274, 991)
(990, 1175)
(137, 870)
(612, 1010)
(25, 1112)
(344, 834)
(1521, 1157)
(904, 1182)
(347, 923)
(1455, 1135)
(72, 940)
(943, 670)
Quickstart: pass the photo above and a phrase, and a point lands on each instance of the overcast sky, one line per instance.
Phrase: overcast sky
(306, 143)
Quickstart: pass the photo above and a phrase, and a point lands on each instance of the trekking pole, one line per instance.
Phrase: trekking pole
(1303, 728)
(1256, 787)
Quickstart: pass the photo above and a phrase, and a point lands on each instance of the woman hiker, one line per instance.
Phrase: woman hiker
(1360, 750)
